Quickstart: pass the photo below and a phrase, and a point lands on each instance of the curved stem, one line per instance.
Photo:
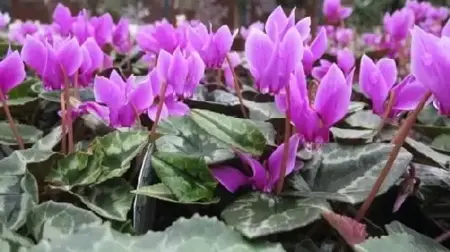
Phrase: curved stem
(162, 93)
(287, 135)
(237, 88)
(68, 115)
(388, 111)
(443, 236)
(12, 125)
(398, 141)
(63, 124)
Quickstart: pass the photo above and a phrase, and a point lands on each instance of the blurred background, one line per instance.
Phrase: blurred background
(236, 13)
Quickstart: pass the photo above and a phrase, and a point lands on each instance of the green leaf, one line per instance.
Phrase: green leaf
(185, 136)
(364, 119)
(12, 240)
(347, 173)
(431, 131)
(401, 238)
(356, 106)
(187, 177)
(18, 187)
(256, 215)
(110, 158)
(29, 134)
(111, 199)
(352, 135)
(239, 133)
(86, 94)
(55, 220)
(162, 192)
(202, 233)
(430, 116)
(424, 150)
(48, 142)
(441, 143)
(262, 111)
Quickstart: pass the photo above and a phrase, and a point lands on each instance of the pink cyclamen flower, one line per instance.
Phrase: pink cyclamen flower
(171, 106)
(19, 30)
(235, 61)
(314, 51)
(52, 62)
(12, 72)
(182, 73)
(272, 69)
(334, 12)
(430, 64)
(345, 61)
(314, 118)
(212, 47)
(121, 37)
(264, 175)
(62, 19)
(377, 82)
(160, 36)
(244, 32)
(278, 24)
(4, 20)
(93, 58)
(103, 28)
(123, 100)
(398, 24)
(82, 28)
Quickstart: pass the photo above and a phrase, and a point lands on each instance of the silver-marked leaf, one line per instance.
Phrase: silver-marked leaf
(262, 111)
(110, 158)
(364, 119)
(202, 234)
(13, 240)
(441, 143)
(347, 173)
(55, 220)
(267, 130)
(256, 215)
(49, 141)
(185, 136)
(86, 94)
(352, 135)
(18, 187)
(435, 157)
(162, 192)
(356, 106)
(432, 176)
(111, 199)
(400, 238)
(187, 177)
(239, 133)
(29, 134)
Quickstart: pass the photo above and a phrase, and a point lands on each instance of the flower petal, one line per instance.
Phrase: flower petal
(372, 84)
(388, 70)
(108, 92)
(230, 178)
(275, 159)
(304, 27)
(276, 21)
(320, 44)
(259, 178)
(256, 43)
(70, 56)
(12, 72)
(408, 93)
(34, 53)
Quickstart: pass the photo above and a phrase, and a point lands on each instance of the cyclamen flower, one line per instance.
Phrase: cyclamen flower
(235, 61)
(264, 175)
(4, 20)
(124, 100)
(212, 47)
(377, 82)
(334, 12)
(121, 37)
(278, 24)
(314, 51)
(430, 64)
(244, 32)
(19, 30)
(398, 24)
(345, 61)
(314, 118)
(272, 69)
(62, 19)
(103, 28)
(82, 29)
(12, 72)
(53, 63)
(182, 73)
(160, 36)
(93, 60)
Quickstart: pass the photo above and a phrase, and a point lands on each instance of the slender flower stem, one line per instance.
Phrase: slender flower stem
(287, 135)
(219, 77)
(63, 125)
(68, 119)
(237, 88)
(12, 125)
(398, 141)
(386, 114)
(443, 236)
(162, 94)
(75, 86)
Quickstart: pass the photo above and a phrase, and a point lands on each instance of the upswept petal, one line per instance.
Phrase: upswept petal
(33, 53)
(319, 44)
(388, 70)
(446, 29)
(177, 72)
(12, 72)
(151, 112)
(230, 177)
(142, 96)
(176, 108)
(304, 27)
(163, 63)
(332, 97)
(70, 56)
(345, 60)
(345, 12)
(256, 43)
(276, 21)
(195, 73)
(291, 51)
(95, 52)
(372, 84)
(108, 92)
(259, 177)
(63, 17)
(223, 40)
(407, 94)
(275, 160)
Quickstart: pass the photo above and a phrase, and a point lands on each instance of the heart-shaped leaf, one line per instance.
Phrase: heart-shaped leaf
(29, 134)
(256, 215)
(187, 177)
(364, 119)
(262, 111)
(239, 133)
(86, 94)
(347, 173)
(424, 150)
(352, 135)
(441, 143)
(202, 233)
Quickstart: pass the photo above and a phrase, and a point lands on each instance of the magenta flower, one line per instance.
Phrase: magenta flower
(446, 29)
(103, 28)
(430, 64)
(12, 72)
(52, 62)
(334, 12)
(92, 61)
(398, 25)
(272, 69)
(171, 106)
(345, 61)
(235, 61)
(278, 24)
(264, 175)
(62, 19)
(124, 100)
(314, 118)
(82, 28)
(377, 83)
(160, 36)
(212, 47)
(121, 37)
(18, 31)
(4, 20)
(244, 32)
(182, 73)
(314, 51)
